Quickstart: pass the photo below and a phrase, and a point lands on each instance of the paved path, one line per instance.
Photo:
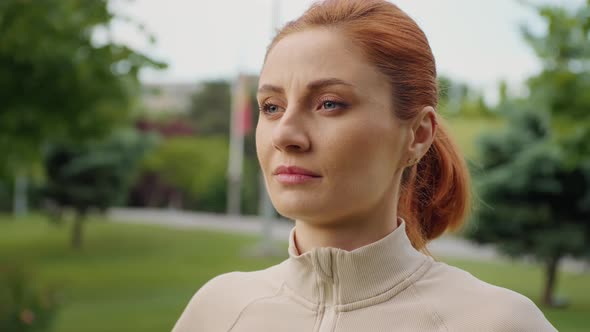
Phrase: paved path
(445, 246)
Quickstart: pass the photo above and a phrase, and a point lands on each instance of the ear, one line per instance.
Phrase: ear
(422, 135)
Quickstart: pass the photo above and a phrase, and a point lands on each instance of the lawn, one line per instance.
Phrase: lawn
(466, 132)
(139, 278)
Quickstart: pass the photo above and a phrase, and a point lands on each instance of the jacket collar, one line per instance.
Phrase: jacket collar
(338, 277)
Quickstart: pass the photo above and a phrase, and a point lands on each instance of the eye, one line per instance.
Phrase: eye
(329, 105)
(269, 108)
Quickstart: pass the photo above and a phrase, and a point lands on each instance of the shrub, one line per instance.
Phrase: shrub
(24, 307)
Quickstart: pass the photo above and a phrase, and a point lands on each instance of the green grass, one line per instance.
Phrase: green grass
(127, 277)
(139, 278)
(465, 132)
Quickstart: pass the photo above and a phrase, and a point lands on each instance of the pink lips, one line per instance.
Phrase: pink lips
(294, 175)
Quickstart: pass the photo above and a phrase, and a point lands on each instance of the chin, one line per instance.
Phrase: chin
(305, 208)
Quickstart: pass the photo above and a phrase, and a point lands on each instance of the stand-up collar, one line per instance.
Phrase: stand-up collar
(339, 277)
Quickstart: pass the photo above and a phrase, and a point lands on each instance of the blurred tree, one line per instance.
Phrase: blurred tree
(58, 82)
(536, 176)
(539, 204)
(93, 174)
(196, 167)
(191, 173)
(211, 107)
(458, 99)
(562, 87)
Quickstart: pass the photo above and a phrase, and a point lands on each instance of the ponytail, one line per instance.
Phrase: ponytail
(435, 192)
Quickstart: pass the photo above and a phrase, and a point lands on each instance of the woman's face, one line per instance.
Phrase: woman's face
(328, 142)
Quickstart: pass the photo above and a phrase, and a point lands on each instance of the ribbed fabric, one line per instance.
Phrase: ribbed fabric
(384, 286)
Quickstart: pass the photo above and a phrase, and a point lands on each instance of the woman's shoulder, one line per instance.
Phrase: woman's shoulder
(465, 302)
(218, 303)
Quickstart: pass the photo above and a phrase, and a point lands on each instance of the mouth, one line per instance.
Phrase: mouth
(294, 175)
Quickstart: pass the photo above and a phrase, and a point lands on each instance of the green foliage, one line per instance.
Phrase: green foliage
(524, 128)
(56, 81)
(539, 203)
(466, 130)
(459, 100)
(211, 107)
(91, 175)
(535, 177)
(24, 307)
(537, 174)
(562, 87)
(6, 189)
(566, 39)
(94, 174)
(197, 166)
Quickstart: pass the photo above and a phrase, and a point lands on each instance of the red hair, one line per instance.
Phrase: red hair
(435, 192)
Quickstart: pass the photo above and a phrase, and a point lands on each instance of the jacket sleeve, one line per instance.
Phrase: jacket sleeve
(211, 308)
(217, 306)
(520, 314)
(512, 312)
(465, 303)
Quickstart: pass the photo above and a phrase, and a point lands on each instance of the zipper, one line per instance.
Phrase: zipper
(327, 320)
(327, 293)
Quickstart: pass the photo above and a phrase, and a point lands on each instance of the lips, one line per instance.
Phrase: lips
(293, 175)
(294, 170)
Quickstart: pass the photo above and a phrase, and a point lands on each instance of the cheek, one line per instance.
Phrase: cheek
(263, 144)
(362, 157)
(363, 143)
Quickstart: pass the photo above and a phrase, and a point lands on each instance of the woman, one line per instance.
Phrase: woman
(351, 150)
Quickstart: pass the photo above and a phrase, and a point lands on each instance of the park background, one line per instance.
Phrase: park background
(128, 175)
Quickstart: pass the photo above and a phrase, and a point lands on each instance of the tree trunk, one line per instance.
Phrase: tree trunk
(77, 230)
(550, 280)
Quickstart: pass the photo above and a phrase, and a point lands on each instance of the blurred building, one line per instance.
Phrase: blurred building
(172, 128)
(172, 98)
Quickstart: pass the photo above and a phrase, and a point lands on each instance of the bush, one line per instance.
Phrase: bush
(5, 195)
(24, 307)
(195, 169)
(194, 166)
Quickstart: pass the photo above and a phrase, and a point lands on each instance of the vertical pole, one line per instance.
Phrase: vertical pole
(20, 194)
(236, 149)
(265, 208)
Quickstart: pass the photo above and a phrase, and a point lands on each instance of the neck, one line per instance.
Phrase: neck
(350, 234)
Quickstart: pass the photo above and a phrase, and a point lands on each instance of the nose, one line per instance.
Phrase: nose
(290, 133)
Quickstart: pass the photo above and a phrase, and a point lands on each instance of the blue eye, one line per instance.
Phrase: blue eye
(270, 108)
(330, 105)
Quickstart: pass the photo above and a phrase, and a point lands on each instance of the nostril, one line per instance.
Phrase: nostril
(290, 135)
(294, 147)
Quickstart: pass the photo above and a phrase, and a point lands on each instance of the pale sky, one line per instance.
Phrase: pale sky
(477, 42)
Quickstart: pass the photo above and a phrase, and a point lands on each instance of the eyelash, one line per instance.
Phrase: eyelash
(265, 108)
(339, 105)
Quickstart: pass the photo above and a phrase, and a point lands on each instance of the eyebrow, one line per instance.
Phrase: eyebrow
(317, 84)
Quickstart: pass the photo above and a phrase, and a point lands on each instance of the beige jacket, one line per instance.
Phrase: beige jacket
(384, 286)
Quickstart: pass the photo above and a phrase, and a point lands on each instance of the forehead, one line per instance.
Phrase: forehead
(318, 54)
